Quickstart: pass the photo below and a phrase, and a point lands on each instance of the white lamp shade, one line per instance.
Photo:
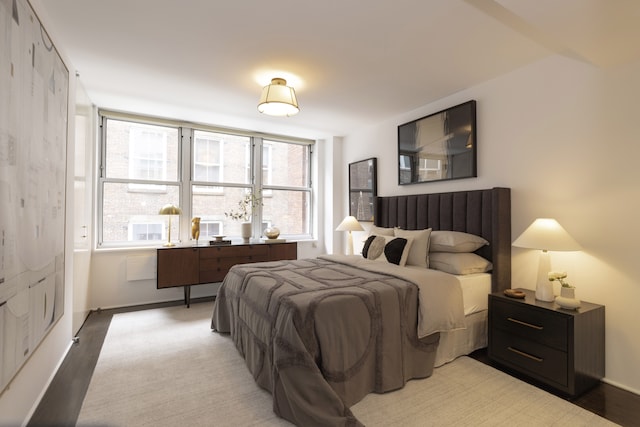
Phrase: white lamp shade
(350, 223)
(278, 99)
(548, 235)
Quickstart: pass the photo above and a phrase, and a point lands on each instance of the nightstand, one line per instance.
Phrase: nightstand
(561, 348)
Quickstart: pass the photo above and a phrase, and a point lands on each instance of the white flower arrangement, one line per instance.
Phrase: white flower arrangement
(246, 208)
(559, 276)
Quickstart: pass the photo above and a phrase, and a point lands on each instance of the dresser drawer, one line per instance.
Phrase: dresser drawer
(216, 262)
(539, 326)
(258, 252)
(227, 262)
(213, 275)
(531, 357)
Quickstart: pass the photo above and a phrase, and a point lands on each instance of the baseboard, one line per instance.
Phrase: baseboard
(46, 386)
(156, 302)
(621, 386)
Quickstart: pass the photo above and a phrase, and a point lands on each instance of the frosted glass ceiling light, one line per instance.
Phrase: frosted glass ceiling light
(278, 99)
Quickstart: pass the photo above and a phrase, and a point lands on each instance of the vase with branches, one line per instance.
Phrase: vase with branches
(246, 209)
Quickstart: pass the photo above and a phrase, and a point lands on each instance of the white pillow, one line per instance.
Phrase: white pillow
(380, 231)
(459, 263)
(419, 247)
(455, 241)
(394, 250)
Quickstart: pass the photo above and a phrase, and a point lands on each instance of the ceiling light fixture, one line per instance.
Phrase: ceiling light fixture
(278, 99)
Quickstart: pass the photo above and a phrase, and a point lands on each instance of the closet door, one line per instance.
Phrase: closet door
(85, 118)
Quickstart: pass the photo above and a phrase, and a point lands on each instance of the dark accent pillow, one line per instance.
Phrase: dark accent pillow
(367, 243)
(387, 249)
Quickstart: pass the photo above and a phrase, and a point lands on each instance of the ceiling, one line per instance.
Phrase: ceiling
(353, 63)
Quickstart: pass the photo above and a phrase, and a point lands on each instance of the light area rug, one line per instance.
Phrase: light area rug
(165, 367)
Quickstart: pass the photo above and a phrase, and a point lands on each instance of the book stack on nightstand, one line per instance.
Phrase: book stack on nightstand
(561, 348)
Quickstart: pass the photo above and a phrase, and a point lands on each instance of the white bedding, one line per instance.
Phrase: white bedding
(475, 290)
(453, 344)
(464, 329)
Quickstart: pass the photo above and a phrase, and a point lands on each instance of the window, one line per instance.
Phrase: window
(210, 228)
(147, 163)
(148, 153)
(267, 169)
(287, 190)
(139, 173)
(146, 231)
(217, 194)
(207, 160)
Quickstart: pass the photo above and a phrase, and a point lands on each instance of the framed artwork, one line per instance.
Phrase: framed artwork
(363, 188)
(33, 154)
(441, 146)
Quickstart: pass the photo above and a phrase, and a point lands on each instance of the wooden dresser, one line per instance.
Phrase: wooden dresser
(195, 265)
(561, 348)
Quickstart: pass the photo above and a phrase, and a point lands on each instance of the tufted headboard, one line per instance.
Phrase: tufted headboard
(485, 213)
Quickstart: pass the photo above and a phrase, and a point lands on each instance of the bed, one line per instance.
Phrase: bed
(320, 334)
(486, 213)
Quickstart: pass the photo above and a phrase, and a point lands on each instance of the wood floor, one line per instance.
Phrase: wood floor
(61, 403)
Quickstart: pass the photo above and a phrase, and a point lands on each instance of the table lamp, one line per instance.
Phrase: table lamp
(169, 210)
(546, 234)
(350, 224)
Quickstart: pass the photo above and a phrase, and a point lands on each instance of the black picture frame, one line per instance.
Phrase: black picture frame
(438, 147)
(363, 188)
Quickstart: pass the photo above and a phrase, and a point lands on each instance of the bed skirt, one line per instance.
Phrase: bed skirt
(461, 342)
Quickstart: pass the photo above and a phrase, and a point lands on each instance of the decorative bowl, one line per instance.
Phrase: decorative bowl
(272, 232)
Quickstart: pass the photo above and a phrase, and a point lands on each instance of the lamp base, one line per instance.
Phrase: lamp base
(544, 288)
(544, 291)
(349, 244)
(169, 244)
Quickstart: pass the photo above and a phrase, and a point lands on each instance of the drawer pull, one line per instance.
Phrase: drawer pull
(527, 355)
(520, 322)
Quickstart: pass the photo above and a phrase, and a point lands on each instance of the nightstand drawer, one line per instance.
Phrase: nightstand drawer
(531, 357)
(540, 326)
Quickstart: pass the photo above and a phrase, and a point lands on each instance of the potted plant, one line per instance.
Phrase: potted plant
(246, 209)
(567, 298)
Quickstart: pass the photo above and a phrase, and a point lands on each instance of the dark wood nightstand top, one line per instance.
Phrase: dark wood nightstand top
(530, 299)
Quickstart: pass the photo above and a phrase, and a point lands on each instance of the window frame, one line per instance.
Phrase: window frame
(208, 189)
(188, 188)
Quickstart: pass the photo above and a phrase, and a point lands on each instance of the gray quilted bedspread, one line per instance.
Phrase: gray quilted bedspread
(320, 335)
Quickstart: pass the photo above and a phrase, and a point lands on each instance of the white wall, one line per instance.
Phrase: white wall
(563, 136)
